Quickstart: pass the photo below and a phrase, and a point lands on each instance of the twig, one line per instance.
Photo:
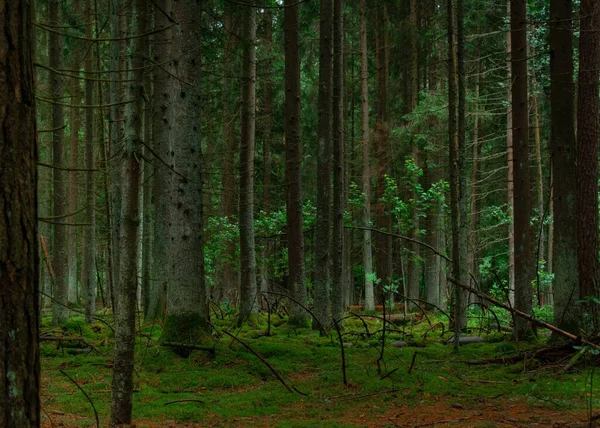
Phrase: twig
(86, 396)
(339, 333)
(413, 361)
(356, 397)
(190, 400)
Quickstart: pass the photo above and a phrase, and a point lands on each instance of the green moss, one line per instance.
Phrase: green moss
(185, 329)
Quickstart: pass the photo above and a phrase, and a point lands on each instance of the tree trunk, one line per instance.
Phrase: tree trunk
(89, 253)
(524, 269)
(73, 181)
(248, 286)
(187, 300)
(293, 156)
(510, 177)
(473, 257)
(161, 132)
(337, 284)
(562, 239)
(227, 284)
(366, 169)
(322, 235)
(60, 263)
(19, 259)
(587, 159)
(122, 383)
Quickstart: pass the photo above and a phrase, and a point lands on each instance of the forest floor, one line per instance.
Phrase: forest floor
(423, 383)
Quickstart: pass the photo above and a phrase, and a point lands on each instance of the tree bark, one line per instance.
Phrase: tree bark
(587, 159)
(89, 254)
(510, 177)
(126, 290)
(60, 263)
(524, 269)
(322, 236)
(19, 259)
(187, 301)
(367, 246)
(248, 286)
(337, 284)
(293, 156)
(562, 239)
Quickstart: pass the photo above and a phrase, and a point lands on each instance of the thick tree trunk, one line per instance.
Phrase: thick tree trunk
(293, 156)
(524, 263)
(562, 239)
(19, 259)
(587, 159)
(162, 125)
(60, 262)
(187, 300)
(510, 176)
(248, 286)
(322, 235)
(367, 246)
(122, 383)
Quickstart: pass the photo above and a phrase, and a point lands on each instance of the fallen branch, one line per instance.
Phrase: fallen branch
(356, 397)
(190, 400)
(209, 349)
(560, 332)
(68, 339)
(86, 396)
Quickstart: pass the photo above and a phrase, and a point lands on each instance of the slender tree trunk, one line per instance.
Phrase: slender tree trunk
(122, 383)
(539, 179)
(293, 157)
(267, 136)
(187, 299)
(227, 285)
(73, 182)
(337, 303)
(383, 247)
(89, 254)
(19, 257)
(473, 257)
(366, 168)
(60, 181)
(322, 235)
(587, 159)
(248, 286)
(413, 276)
(524, 269)
(510, 177)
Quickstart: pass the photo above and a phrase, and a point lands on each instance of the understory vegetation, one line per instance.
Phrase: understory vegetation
(417, 381)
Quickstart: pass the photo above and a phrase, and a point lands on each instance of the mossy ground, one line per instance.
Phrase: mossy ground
(234, 388)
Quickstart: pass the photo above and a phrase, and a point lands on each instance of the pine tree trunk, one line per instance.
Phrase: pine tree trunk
(587, 159)
(248, 286)
(187, 300)
(562, 237)
(510, 177)
(337, 249)
(322, 235)
(19, 260)
(524, 263)
(293, 156)
(366, 168)
(60, 260)
(126, 291)
(73, 182)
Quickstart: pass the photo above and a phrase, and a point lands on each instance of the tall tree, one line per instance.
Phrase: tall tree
(89, 253)
(19, 262)
(293, 163)
(524, 269)
(248, 286)
(587, 157)
(126, 290)
(562, 157)
(337, 303)
(187, 301)
(322, 235)
(60, 181)
(366, 168)
(161, 132)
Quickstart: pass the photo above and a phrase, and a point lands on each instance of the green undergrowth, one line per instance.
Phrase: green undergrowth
(232, 385)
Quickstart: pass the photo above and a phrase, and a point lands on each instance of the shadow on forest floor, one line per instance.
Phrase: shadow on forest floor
(421, 383)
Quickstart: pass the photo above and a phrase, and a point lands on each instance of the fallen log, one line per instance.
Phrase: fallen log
(553, 328)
